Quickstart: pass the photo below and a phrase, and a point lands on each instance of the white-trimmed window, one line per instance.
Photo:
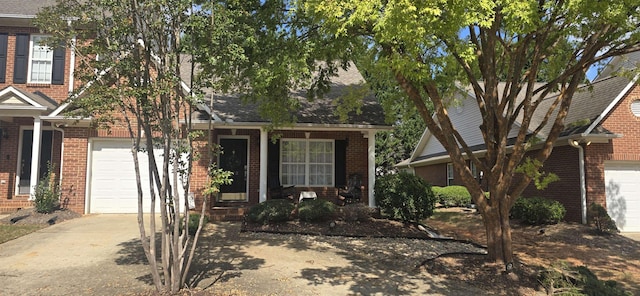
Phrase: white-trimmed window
(307, 162)
(40, 60)
(449, 174)
(474, 170)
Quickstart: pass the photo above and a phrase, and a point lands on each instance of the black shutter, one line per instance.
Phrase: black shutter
(22, 58)
(273, 164)
(57, 69)
(3, 57)
(341, 163)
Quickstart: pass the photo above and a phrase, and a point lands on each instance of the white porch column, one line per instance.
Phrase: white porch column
(35, 156)
(264, 144)
(371, 167)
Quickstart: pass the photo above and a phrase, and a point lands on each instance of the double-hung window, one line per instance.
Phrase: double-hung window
(307, 162)
(449, 174)
(35, 62)
(40, 60)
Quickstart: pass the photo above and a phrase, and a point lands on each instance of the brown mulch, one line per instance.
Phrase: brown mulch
(609, 256)
(369, 228)
(31, 216)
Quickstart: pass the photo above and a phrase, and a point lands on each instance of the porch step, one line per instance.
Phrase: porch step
(228, 213)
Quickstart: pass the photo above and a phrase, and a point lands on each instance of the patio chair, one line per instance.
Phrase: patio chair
(277, 191)
(352, 192)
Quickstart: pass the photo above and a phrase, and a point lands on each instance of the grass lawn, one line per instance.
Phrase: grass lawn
(9, 232)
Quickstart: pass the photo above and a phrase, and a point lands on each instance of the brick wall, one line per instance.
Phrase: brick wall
(627, 148)
(564, 162)
(356, 161)
(434, 174)
(56, 92)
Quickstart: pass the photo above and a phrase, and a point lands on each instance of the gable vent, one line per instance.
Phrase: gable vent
(635, 108)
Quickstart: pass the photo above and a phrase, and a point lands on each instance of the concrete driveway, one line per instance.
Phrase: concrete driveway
(83, 256)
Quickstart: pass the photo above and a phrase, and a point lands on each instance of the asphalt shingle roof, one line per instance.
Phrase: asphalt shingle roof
(231, 108)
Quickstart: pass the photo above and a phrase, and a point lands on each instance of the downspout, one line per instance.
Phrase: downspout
(583, 187)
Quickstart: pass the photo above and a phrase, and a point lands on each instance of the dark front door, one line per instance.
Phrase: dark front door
(25, 160)
(234, 159)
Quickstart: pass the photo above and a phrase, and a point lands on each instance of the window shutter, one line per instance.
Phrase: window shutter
(273, 164)
(341, 163)
(57, 69)
(22, 58)
(3, 57)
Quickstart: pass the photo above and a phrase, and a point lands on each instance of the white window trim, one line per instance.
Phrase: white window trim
(474, 170)
(30, 62)
(450, 174)
(307, 162)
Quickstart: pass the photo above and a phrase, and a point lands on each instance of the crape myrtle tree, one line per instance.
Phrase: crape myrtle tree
(434, 47)
(129, 70)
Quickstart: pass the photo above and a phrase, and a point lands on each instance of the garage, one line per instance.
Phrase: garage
(112, 181)
(623, 194)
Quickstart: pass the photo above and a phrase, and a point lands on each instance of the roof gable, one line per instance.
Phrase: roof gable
(14, 101)
(590, 104)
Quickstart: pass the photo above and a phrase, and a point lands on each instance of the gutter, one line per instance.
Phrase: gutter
(583, 188)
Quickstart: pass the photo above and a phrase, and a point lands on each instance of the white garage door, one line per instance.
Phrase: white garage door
(112, 184)
(622, 183)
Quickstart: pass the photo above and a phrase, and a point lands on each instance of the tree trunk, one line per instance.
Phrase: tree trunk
(498, 230)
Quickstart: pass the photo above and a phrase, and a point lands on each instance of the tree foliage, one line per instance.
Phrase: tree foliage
(130, 55)
(499, 51)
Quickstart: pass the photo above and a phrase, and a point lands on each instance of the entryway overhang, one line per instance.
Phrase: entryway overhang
(17, 103)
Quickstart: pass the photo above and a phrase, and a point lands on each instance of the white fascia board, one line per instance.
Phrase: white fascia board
(204, 124)
(611, 106)
(11, 89)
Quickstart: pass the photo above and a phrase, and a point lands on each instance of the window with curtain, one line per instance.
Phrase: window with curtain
(307, 162)
(449, 174)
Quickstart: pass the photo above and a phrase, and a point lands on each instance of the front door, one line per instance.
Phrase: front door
(46, 146)
(234, 158)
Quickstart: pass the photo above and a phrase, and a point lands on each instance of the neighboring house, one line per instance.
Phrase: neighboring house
(597, 156)
(95, 167)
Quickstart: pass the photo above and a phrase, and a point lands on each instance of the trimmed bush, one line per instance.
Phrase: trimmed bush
(452, 196)
(538, 210)
(562, 279)
(274, 210)
(194, 219)
(599, 218)
(404, 196)
(316, 210)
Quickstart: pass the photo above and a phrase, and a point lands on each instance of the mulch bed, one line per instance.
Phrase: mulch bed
(371, 227)
(31, 216)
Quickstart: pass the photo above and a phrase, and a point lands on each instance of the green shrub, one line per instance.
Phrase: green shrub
(274, 210)
(452, 196)
(599, 218)
(404, 196)
(562, 279)
(538, 210)
(355, 212)
(194, 219)
(316, 210)
(47, 193)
